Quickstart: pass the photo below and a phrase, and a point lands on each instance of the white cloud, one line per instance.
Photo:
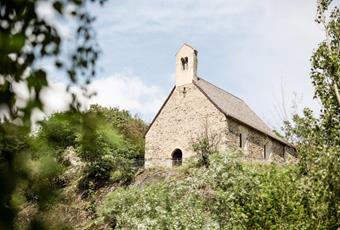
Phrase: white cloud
(125, 91)
(122, 90)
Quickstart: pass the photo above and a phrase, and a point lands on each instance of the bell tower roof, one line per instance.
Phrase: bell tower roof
(187, 46)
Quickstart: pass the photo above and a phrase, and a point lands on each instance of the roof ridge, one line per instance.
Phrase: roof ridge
(199, 78)
(187, 44)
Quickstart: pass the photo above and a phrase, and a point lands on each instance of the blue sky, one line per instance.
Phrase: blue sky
(258, 50)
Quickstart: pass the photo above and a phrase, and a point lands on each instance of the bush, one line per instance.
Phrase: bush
(108, 169)
(131, 127)
(257, 196)
(230, 194)
(107, 154)
(61, 129)
(205, 144)
(157, 206)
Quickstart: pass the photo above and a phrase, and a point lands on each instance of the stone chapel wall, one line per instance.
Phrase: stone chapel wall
(255, 142)
(181, 120)
(187, 114)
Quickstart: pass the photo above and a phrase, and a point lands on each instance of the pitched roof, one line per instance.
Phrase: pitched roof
(235, 108)
(187, 45)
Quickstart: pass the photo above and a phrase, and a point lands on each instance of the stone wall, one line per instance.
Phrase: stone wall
(187, 115)
(255, 142)
(183, 119)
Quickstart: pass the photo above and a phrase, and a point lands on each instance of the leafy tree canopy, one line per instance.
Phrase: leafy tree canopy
(318, 138)
(27, 42)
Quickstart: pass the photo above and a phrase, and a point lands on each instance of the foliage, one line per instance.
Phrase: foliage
(40, 159)
(112, 141)
(205, 144)
(256, 196)
(325, 72)
(317, 138)
(108, 153)
(27, 38)
(61, 129)
(106, 161)
(38, 171)
(156, 206)
(11, 143)
(132, 127)
(230, 194)
(27, 42)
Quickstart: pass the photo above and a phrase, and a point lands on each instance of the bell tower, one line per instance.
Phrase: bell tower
(186, 65)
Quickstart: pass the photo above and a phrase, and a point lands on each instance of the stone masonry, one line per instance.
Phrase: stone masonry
(189, 112)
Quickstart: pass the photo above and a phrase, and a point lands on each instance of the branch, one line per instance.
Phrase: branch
(337, 92)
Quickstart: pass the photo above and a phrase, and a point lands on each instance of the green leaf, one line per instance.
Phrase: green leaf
(37, 80)
(58, 6)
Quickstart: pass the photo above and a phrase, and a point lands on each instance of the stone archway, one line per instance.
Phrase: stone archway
(176, 157)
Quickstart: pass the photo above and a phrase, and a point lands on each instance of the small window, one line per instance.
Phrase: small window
(185, 62)
(284, 154)
(267, 151)
(241, 143)
(242, 140)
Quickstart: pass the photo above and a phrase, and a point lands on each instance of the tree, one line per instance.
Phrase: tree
(206, 144)
(317, 138)
(27, 41)
(325, 73)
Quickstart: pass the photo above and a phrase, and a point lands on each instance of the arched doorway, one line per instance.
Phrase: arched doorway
(176, 157)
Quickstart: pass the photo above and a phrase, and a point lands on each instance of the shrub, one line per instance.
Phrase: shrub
(257, 196)
(107, 169)
(205, 144)
(230, 194)
(157, 206)
(61, 129)
(131, 127)
(107, 155)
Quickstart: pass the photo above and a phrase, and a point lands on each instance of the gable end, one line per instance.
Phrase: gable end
(160, 110)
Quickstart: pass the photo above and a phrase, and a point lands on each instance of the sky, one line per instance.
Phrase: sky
(258, 50)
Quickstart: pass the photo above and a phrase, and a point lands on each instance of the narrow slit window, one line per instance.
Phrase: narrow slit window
(267, 150)
(241, 143)
(284, 154)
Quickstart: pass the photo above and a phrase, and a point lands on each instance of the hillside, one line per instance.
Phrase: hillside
(71, 163)
(189, 196)
(84, 172)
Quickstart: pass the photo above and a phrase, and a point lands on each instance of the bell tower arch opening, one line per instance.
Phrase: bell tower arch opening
(176, 157)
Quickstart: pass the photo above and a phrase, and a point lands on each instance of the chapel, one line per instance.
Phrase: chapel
(196, 108)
